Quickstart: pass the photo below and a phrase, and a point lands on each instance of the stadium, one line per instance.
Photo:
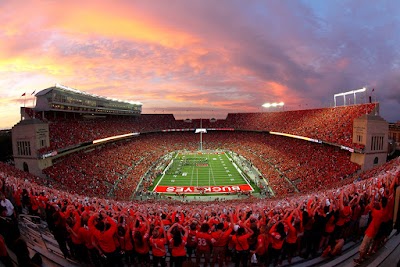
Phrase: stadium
(299, 185)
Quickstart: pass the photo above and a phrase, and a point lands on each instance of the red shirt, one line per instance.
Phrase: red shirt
(330, 225)
(388, 210)
(126, 241)
(221, 238)
(276, 239)
(105, 239)
(262, 244)
(344, 216)
(213, 221)
(373, 227)
(292, 234)
(76, 239)
(192, 238)
(158, 246)
(34, 202)
(86, 236)
(241, 242)
(42, 201)
(179, 215)
(180, 250)
(203, 241)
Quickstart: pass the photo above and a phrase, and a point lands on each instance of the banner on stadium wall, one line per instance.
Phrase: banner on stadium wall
(193, 129)
(178, 130)
(297, 137)
(51, 154)
(347, 148)
(203, 189)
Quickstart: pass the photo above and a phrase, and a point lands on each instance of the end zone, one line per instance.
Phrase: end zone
(204, 189)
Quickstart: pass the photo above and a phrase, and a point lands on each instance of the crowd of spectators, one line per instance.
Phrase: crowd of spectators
(115, 170)
(104, 232)
(334, 125)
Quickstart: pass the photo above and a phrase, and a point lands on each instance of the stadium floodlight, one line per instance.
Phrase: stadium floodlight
(353, 92)
(269, 105)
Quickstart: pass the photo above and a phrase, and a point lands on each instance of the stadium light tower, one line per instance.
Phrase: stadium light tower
(273, 105)
(352, 92)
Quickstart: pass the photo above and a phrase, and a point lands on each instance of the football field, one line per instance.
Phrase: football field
(202, 173)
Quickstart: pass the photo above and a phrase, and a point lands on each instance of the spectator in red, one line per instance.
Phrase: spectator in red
(261, 250)
(60, 230)
(177, 244)
(141, 239)
(345, 214)
(191, 242)
(158, 240)
(204, 241)
(386, 226)
(221, 237)
(329, 226)
(86, 236)
(293, 225)
(76, 244)
(104, 228)
(277, 237)
(240, 239)
(125, 240)
(372, 230)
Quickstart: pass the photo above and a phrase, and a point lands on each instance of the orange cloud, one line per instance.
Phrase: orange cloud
(113, 21)
(278, 90)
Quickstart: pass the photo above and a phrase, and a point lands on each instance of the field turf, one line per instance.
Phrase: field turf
(191, 172)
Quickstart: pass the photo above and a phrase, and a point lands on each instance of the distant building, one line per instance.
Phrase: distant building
(60, 98)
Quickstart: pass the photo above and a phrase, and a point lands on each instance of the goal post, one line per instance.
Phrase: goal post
(201, 131)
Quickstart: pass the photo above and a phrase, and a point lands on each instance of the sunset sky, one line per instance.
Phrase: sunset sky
(202, 58)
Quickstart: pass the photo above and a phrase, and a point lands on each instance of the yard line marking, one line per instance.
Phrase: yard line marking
(212, 173)
(163, 174)
(209, 177)
(240, 173)
(191, 176)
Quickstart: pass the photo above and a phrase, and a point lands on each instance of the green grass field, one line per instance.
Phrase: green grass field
(195, 171)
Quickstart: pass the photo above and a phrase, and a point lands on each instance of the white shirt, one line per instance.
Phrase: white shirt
(9, 207)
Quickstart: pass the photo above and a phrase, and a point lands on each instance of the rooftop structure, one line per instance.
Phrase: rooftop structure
(67, 99)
